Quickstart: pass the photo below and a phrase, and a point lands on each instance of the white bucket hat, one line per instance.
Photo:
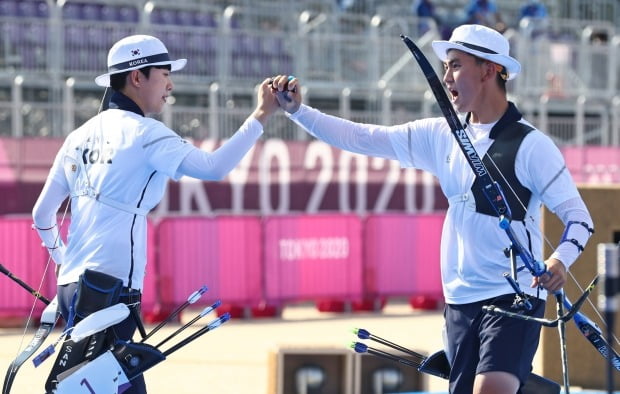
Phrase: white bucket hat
(134, 52)
(482, 42)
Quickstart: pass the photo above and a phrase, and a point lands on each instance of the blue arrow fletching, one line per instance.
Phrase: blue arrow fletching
(210, 308)
(362, 334)
(225, 317)
(195, 296)
(219, 321)
(359, 347)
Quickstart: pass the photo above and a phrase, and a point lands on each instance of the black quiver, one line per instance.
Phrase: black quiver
(95, 291)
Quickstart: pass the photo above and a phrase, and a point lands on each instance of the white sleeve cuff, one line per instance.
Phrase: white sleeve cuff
(53, 242)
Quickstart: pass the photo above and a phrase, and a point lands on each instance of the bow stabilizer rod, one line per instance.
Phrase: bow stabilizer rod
(573, 309)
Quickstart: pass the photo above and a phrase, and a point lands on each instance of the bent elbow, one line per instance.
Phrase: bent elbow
(218, 175)
(37, 214)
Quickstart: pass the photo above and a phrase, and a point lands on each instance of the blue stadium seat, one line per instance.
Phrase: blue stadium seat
(72, 10)
(203, 49)
(163, 16)
(110, 13)
(43, 10)
(246, 44)
(91, 12)
(204, 19)
(96, 37)
(273, 45)
(175, 40)
(184, 18)
(128, 14)
(8, 8)
(74, 37)
(27, 9)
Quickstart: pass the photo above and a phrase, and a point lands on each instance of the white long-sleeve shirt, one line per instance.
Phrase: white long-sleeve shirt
(472, 245)
(115, 167)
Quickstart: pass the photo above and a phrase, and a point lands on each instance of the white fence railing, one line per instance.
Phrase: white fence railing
(351, 64)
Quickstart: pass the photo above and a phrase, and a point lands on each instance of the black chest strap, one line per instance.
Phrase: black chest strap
(500, 162)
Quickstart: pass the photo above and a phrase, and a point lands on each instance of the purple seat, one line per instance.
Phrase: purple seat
(96, 37)
(204, 19)
(27, 9)
(91, 12)
(8, 8)
(184, 18)
(246, 44)
(110, 13)
(43, 10)
(128, 14)
(235, 22)
(72, 11)
(74, 36)
(272, 45)
(174, 40)
(200, 42)
(11, 30)
(163, 16)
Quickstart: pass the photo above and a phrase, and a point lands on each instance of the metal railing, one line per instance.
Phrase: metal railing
(351, 64)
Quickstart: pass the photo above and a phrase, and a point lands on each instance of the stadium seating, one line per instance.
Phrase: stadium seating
(239, 42)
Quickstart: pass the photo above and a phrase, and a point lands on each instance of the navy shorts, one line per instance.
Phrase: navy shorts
(479, 342)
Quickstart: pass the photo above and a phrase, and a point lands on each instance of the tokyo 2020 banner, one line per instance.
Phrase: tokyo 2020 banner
(284, 177)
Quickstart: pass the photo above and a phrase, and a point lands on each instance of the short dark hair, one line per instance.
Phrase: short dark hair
(501, 76)
(118, 81)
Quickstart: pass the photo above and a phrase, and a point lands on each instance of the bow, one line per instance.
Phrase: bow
(50, 314)
(49, 317)
(494, 193)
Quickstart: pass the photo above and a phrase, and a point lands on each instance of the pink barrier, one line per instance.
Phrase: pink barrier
(150, 295)
(313, 257)
(593, 164)
(402, 255)
(22, 254)
(223, 253)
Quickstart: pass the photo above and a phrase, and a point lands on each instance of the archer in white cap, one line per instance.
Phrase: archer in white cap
(115, 168)
(487, 354)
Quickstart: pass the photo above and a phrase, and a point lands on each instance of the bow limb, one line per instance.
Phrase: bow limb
(24, 285)
(49, 318)
(594, 335)
(51, 313)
